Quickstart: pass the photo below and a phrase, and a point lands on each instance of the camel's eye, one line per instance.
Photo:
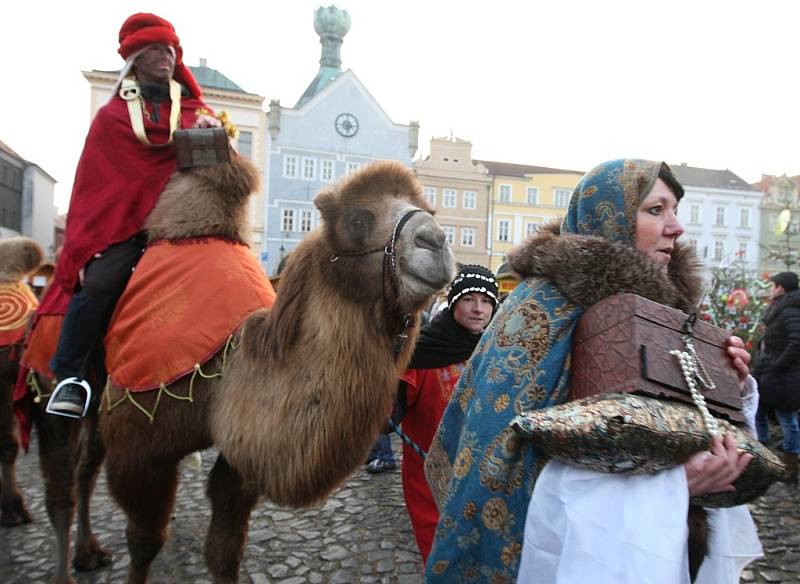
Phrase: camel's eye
(359, 224)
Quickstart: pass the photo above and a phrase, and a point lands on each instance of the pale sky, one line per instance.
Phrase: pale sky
(563, 83)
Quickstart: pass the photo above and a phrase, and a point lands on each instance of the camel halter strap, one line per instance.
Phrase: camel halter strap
(394, 315)
(132, 94)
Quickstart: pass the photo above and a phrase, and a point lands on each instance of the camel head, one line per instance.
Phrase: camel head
(206, 201)
(362, 216)
(19, 256)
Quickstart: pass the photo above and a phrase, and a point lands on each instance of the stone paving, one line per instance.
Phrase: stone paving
(360, 535)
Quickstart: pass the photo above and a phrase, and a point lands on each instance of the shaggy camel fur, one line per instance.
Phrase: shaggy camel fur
(19, 256)
(303, 397)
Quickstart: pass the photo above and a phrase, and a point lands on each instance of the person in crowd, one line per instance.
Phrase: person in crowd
(441, 353)
(619, 235)
(777, 369)
(381, 457)
(126, 161)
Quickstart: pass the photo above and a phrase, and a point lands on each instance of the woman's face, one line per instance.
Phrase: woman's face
(657, 225)
(473, 311)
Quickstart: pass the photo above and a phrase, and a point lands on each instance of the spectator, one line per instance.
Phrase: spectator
(777, 369)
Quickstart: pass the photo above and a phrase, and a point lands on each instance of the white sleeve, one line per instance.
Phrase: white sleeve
(750, 404)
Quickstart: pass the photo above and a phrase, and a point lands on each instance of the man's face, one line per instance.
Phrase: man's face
(777, 290)
(155, 65)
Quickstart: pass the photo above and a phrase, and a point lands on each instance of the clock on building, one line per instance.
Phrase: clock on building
(346, 125)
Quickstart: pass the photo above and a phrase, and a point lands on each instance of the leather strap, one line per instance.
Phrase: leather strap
(132, 94)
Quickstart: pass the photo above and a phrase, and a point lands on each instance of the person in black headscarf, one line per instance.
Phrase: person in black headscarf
(441, 353)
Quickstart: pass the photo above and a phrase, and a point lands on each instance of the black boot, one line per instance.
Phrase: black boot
(70, 398)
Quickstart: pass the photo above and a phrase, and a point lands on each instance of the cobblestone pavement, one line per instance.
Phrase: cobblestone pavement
(361, 535)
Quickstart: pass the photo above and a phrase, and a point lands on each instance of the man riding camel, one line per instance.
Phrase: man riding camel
(126, 161)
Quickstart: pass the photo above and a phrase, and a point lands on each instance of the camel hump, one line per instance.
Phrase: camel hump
(206, 201)
(19, 256)
(383, 177)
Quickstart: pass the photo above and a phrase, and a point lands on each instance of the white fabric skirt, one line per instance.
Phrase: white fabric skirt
(585, 526)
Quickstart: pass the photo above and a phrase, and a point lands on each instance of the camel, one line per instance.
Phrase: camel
(310, 381)
(19, 256)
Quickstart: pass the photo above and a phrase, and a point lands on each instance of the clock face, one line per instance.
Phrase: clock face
(346, 125)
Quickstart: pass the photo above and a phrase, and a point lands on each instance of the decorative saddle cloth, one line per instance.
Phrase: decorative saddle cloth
(182, 304)
(17, 303)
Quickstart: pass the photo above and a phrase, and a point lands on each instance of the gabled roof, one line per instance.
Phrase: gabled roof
(208, 77)
(324, 76)
(511, 169)
(7, 149)
(692, 176)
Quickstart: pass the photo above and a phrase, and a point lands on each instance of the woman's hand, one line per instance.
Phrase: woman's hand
(714, 471)
(739, 356)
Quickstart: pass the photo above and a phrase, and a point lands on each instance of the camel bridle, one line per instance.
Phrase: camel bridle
(398, 321)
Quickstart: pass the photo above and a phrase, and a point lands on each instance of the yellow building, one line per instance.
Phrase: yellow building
(523, 197)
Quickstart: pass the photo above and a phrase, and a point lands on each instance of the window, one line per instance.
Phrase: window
(449, 198)
(305, 220)
(288, 220)
(530, 228)
(290, 166)
(561, 197)
(742, 251)
(744, 218)
(450, 233)
(694, 213)
(503, 230)
(532, 195)
(352, 167)
(719, 250)
(468, 236)
(327, 170)
(720, 216)
(505, 193)
(470, 198)
(309, 168)
(245, 144)
(693, 244)
(430, 195)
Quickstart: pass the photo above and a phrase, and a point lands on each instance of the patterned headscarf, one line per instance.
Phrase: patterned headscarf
(605, 201)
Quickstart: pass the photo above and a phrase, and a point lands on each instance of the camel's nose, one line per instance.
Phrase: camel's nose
(432, 239)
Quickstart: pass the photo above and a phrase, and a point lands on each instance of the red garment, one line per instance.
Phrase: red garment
(117, 184)
(180, 306)
(427, 395)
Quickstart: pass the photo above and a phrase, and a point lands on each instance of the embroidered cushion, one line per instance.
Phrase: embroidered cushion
(626, 433)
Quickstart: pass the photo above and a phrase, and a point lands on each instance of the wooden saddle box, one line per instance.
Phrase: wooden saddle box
(201, 147)
(623, 343)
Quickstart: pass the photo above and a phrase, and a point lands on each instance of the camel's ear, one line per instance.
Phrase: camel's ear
(324, 201)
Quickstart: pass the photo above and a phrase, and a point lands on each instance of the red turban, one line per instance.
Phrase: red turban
(143, 29)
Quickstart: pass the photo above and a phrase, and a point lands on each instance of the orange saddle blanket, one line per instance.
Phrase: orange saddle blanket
(17, 303)
(181, 305)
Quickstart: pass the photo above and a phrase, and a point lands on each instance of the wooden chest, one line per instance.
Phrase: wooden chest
(623, 344)
(201, 147)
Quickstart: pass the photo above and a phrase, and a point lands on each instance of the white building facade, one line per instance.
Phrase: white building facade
(720, 214)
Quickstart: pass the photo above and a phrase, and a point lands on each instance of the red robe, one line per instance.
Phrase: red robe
(117, 184)
(427, 395)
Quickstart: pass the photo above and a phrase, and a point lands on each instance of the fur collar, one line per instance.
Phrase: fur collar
(588, 269)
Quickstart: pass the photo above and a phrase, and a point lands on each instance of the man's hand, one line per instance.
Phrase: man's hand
(82, 271)
(714, 471)
(206, 121)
